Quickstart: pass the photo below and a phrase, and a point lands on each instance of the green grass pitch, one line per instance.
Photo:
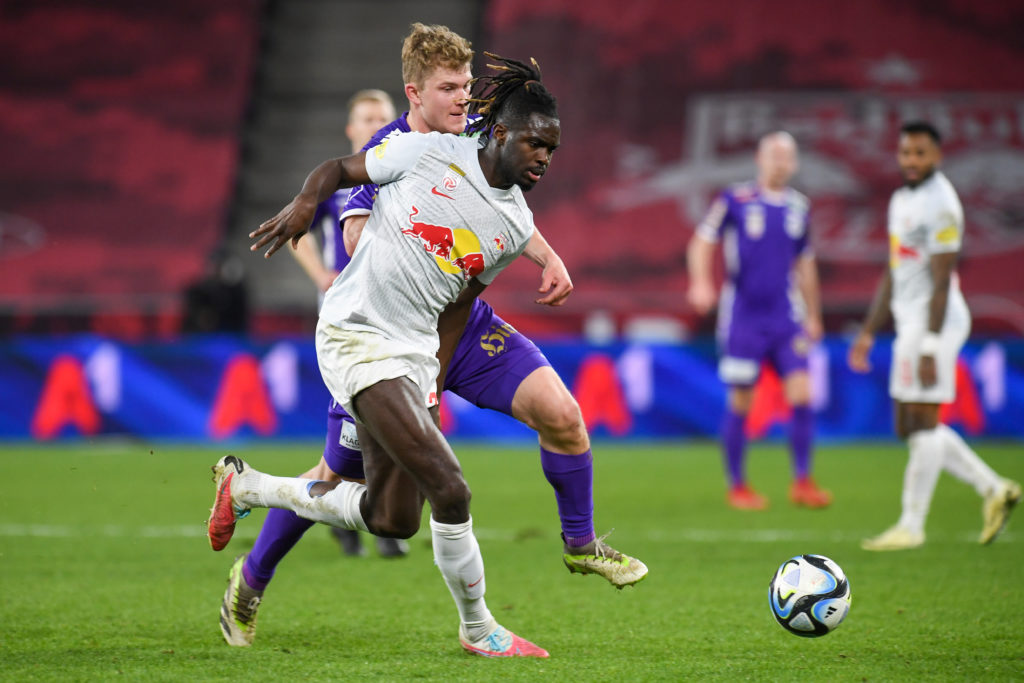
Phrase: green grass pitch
(105, 573)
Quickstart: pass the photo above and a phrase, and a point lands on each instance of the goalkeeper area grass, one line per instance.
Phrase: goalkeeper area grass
(106, 572)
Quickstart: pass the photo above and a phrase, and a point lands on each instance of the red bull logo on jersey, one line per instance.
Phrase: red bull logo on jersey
(900, 252)
(456, 250)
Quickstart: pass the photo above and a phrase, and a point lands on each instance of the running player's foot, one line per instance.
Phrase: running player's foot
(225, 511)
(997, 508)
(894, 538)
(805, 492)
(238, 609)
(349, 541)
(742, 497)
(500, 643)
(392, 547)
(597, 557)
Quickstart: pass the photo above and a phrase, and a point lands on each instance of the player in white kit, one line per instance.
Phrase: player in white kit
(922, 290)
(449, 217)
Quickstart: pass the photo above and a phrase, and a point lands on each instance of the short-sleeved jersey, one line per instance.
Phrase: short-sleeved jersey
(762, 236)
(436, 224)
(327, 222)
(923, 220)
(361, 199)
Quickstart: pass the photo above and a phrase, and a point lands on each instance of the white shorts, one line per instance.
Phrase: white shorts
(351, 361)
(904, 380)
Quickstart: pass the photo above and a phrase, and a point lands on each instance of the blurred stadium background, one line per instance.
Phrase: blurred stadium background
(142, 142)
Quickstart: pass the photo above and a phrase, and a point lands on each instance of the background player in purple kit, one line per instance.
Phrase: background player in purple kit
(368, 111)
(515, 379)
(763, 226)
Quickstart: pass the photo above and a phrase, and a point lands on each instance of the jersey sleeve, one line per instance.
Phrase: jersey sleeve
(394, 157)
(946, 228)
(716, 218)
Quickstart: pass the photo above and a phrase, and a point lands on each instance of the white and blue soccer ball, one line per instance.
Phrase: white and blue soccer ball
(809, 595)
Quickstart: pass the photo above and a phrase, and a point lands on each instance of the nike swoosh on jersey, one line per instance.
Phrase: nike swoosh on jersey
(441, 194)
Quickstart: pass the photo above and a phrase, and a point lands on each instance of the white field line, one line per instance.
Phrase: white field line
(682, 535)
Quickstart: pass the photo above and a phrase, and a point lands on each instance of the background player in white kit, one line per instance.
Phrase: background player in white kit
(921, 288)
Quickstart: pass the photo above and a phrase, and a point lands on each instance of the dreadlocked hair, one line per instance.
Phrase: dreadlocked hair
(512, 94)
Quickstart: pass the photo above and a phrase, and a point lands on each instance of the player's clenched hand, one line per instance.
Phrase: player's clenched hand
(701, 296)
(290, 223)
(926, 371)
(555, 283)
(857, 358)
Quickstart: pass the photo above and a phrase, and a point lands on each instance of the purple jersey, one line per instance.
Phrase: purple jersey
(327, 222)
(762, 237)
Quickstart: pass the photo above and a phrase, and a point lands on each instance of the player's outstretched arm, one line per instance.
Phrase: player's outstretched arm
(293, 220)
(878, 315)
(555, 283)
(701, 294)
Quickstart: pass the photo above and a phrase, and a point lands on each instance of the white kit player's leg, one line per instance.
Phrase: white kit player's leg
(962, 462)
(920, 478)
(239, 488)
(457, 555)
(338, 507)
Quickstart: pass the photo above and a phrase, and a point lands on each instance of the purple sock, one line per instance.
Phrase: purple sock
(734, 444)
(572, 477)
(281, 531)
(801, 433)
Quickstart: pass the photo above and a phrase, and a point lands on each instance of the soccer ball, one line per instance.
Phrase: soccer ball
(809, 595)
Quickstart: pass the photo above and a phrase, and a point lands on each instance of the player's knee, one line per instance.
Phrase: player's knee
(561, 420)
(798, 388)
(451, 498)
(396, 527)
(740, 399)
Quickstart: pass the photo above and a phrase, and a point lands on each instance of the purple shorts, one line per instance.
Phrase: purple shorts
(748, 343)
(490, 362)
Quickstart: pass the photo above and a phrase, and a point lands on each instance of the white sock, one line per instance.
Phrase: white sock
(963, 463)
(457, 555)
(920, 477)
(339, 507)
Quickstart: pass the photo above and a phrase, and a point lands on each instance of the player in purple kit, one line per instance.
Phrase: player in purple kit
(513, 377)
(763, 227)
(368, 111)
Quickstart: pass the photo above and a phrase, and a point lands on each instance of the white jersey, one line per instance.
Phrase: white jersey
(923, 221)
(436, 224)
